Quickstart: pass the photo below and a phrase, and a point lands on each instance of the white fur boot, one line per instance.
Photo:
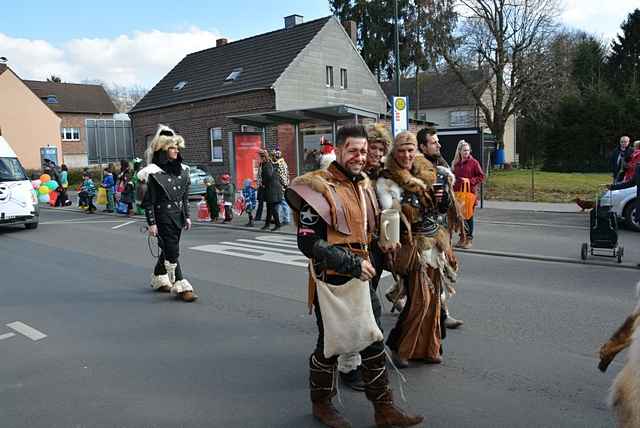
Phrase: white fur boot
(184, 290)
(160, 283)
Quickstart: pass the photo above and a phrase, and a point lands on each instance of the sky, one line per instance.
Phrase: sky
(136, 42)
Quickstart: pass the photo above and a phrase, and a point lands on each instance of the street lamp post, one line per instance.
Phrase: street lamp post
(397, 47)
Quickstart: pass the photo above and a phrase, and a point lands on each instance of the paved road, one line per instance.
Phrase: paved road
(118, 355)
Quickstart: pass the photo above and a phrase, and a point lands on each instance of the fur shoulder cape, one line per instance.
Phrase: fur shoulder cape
(152, 168)
(322, 183)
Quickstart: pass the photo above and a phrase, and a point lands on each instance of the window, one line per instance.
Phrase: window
(458, 119)
(181, 84)
(215, 137)
(70, 134)
(329, 76)
(343, 78)
(234, 75)
(52, 99)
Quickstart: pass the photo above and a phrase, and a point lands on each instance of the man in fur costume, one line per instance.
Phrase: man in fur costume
(378, 143)
(429, 146)
(336, 212)
(422, 192)
(166, 207)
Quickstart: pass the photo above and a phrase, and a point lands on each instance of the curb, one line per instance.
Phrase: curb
(536, 257)
(521, 256)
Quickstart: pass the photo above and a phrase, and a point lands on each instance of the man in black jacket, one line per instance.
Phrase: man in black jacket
(619, 158)
(166, 207)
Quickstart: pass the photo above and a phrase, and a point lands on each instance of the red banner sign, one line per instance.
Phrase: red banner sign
(247, 146)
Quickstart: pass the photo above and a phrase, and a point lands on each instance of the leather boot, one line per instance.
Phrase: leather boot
(378, 391)
(468, 244)
(322, 382)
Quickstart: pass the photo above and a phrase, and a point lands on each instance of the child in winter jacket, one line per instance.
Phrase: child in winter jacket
(109, 184)
(212, 200)
(228, 193)
(249, 195)
(87, 193)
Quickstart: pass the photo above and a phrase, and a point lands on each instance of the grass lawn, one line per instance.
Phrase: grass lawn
(515, 185)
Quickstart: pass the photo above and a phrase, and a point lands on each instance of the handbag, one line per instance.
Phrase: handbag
(102, 196)
(122, 208)
(467, 199)
(347, 316)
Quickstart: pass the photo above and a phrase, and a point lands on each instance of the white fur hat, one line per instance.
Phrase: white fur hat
(164, 139)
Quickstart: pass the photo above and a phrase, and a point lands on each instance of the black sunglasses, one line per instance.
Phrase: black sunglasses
(167, 133)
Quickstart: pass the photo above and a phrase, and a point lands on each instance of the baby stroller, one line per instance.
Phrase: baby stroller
(603, 233)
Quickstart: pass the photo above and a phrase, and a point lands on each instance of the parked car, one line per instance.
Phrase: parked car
(198, 178)
(623, 203)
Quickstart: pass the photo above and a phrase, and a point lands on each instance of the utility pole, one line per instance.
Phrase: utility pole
(397, 47)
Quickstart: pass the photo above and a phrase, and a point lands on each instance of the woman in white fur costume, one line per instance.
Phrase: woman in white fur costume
(166, 207)
(422, 192)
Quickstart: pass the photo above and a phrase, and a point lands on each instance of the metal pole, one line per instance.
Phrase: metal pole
(397, 47)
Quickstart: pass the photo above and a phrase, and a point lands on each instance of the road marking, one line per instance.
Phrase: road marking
(124, 224)
(556, 226)
(6, 336)
(26, 330)
(267, 248)
(81, 222)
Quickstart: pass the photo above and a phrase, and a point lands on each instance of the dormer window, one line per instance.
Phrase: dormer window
(52, 99)
(234, 75)
(181, 84)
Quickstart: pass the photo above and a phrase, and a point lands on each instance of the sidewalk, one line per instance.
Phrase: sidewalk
(570, 207)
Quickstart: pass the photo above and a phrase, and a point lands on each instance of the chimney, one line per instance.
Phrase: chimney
(293, 20)
(351, 29)
(221, 42)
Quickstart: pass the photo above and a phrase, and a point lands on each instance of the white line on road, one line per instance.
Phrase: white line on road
(6, 336)
(258, 247)
(82, 222)
(557, 226)
(26, 330)
(124, 224)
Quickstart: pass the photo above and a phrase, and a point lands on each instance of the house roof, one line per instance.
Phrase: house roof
(262, 59)
(439, 89)
(73, 97)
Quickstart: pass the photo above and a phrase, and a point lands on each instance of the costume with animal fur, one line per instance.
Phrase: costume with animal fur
(425, 261)
(166, 206)
(334, 233)
(624, 397)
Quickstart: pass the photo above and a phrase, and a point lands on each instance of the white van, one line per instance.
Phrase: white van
(18, 202)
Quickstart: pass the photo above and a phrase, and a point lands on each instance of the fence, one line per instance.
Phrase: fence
(109, 140)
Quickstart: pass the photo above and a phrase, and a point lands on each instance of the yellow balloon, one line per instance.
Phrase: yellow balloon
(43, 190)
(44, 178)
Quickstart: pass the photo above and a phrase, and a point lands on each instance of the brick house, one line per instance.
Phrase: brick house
(74, 103)
(445, 101)
(301, 79)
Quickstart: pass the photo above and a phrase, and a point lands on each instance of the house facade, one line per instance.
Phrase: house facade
(75, 104)
(297, 79)
(444, 100)
(26, 123)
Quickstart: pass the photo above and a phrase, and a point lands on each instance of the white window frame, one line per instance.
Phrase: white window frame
(215, 140)
(344, 84)
(460, 119)
(328, 76)
(70, 134)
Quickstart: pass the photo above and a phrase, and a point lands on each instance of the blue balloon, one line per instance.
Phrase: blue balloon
(52, 184)
(44, 198)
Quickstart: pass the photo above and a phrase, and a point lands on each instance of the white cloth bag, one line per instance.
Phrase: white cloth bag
(347, 317)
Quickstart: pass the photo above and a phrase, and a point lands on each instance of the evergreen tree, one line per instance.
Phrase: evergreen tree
(624, 59)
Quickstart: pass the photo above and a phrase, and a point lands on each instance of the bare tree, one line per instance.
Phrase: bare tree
(505, 37)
